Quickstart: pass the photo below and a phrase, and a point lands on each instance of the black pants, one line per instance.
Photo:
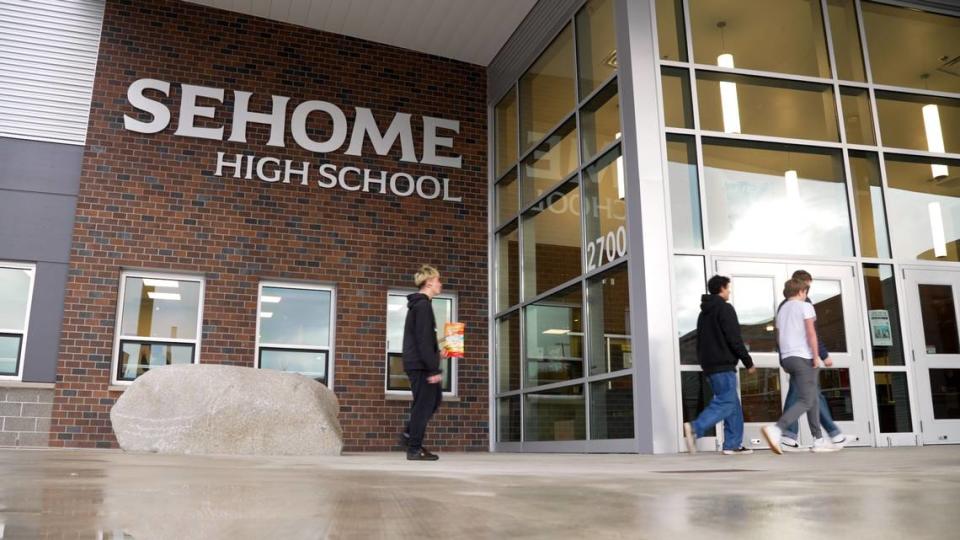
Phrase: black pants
(426, 401)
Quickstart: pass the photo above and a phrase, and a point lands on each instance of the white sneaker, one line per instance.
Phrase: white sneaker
(772, 434)
(822, 445)
(742, 451)
(839, 440)
(789, 444)
(689, 438)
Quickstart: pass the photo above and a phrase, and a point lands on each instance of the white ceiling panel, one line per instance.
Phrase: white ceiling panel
(466, 30)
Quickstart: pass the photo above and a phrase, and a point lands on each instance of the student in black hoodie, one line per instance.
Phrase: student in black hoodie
(421, 361)
(719, 348)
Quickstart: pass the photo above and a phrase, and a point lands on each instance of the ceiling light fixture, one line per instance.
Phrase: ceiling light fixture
(161, 283)
(936, 229)
(163, 296)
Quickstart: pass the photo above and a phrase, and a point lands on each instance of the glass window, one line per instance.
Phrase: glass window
(756, 300)
(924, 204)
(893, 402)
(773, 107)
(505, 122)
(857, 118)
(550, 163)
(600, 121)
(919, 122)
(608, 296)
(596, 45)
(670, 30)
(760, 394)
(939, 316)
(945, 393)
(294, 332)
(883, 314)
(606, 211)
(555, 415)
(827, 298)
(508, 353)
(905, 44)
(508, 419)
(689, 285)
(508, 200)
(611, 408)
(677, 100)
(835, 387)
(508, 267)
(776, 199)
(696, 394)
(547, 92)
(868, 199)
(16, 290)
(551, 241)
(684, 192)
(159, 323)
(444, 311)
(784, 36)
(554, 338)
(846, 40)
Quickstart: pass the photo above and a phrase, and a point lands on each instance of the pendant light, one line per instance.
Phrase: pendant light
(728, 90)
(931, 126)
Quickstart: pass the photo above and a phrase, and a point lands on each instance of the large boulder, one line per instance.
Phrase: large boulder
(211, 409)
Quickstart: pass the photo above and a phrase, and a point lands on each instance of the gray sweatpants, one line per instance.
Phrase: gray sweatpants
(805, 377)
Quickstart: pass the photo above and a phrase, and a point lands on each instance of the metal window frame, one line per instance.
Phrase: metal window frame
(454, 364)
(24, 332)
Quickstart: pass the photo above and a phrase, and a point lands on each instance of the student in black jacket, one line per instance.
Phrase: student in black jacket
(719, 349)
(421, 361)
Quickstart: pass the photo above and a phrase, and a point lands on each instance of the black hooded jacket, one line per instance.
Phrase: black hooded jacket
(420, 349)
(719, 345)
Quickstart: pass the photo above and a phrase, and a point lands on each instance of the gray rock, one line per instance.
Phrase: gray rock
(212, 409)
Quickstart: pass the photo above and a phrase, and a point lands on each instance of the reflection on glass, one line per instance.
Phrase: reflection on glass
(755, 33)
(835, 386)
(397, 378)
(295, 316)
(137, 358)
(760, 394)
(555, 415)
(313, 364)
(10, 354)
(677, 100)
(508, 353)
(551, 162)
(868, 199)
(696, 394)
(917, 122)
(508, 267)
(505, 122)
(611, 408)
(554, 338)
(608, 296)
(924, 209)
(945, 393)
(769, 107)
(507, 197)
(508, 419)
(846, 40)
(606, 211)
(755, 301)
(684, 192)
(932, 47)
(596, 45)
(600, 121)
(827, 298)
(14, 291)
(893, 402)
(857, 117)
(939, 319)
(883, 314)
(160, 308)
(689, 285)
(547, 92)
(670, 30)
(551, 241)
(776, 199)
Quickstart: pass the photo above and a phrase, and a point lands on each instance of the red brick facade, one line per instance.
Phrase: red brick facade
(152, 202)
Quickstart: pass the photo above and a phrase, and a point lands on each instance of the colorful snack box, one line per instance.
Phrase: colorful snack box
(453, 339)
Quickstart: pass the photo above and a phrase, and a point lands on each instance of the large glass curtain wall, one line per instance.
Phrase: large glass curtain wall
(814, 129)
(563, 353)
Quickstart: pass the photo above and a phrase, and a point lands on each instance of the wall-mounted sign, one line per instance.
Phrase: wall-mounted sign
(324, 175)
(880, 332)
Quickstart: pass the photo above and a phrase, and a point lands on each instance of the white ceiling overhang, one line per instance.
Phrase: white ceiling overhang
(467, 30)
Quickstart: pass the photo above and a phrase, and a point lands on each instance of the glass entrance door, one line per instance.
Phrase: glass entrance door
(756, 294)
(932, 300)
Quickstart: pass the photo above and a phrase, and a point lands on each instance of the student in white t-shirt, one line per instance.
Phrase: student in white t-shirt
(800, 357)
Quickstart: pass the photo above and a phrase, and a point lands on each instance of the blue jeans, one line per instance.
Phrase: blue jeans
(826, 419)
(725, 406)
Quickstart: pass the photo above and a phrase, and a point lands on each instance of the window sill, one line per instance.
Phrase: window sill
(118, 387)
(29, 385)
(409, 397)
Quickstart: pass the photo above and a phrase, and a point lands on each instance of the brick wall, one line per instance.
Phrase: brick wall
(25, 416)
(152, 202)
